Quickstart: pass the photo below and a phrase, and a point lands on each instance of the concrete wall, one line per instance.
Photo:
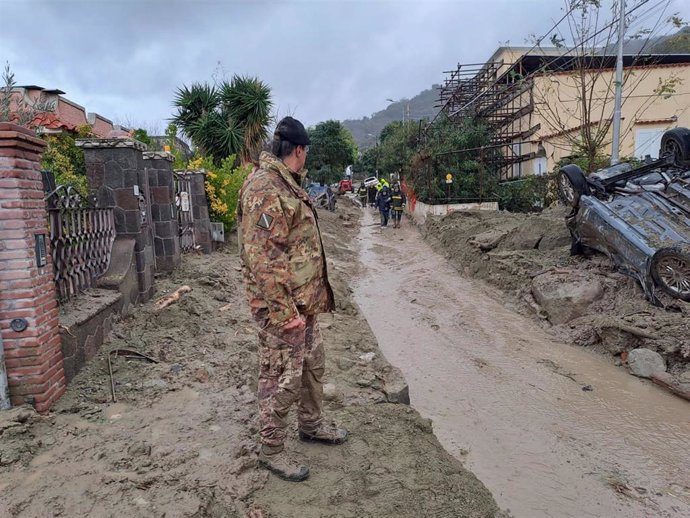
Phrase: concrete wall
(422, 210)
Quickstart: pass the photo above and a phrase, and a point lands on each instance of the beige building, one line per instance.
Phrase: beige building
(532, 99)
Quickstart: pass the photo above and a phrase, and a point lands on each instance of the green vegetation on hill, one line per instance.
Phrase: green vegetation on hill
(365, 130)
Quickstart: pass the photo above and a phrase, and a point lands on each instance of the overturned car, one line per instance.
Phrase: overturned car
(638, 216)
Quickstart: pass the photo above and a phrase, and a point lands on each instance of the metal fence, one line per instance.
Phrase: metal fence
(81, 240)
(185, 216)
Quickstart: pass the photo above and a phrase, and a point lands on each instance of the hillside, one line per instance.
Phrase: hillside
(365, 130)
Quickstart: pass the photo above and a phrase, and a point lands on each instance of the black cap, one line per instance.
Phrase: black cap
(293, 131)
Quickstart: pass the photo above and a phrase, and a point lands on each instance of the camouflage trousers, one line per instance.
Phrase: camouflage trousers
(291, 369)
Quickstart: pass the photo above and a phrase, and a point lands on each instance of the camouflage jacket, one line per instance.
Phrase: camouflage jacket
(280, 245)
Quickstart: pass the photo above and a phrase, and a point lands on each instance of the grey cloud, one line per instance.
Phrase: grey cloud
(323, 59)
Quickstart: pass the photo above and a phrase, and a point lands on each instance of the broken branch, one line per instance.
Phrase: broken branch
(164, 302)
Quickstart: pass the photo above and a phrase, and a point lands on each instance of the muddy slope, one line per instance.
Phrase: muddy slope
(180, 441)
(524, 255)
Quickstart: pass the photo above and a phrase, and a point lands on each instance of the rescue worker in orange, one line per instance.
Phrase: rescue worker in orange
(285, 273)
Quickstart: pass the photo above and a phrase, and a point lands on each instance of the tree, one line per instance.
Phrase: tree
(142, 136)
(171, 141)
(225, 119)
(223, 183)
(65, 160)
(331, 151)
(457, 148)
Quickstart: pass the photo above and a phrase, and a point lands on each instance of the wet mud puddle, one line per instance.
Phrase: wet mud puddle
(553, 430)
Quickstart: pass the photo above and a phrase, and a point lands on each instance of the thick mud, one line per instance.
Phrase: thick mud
(181, 439)
(552, 429)
(528, 258)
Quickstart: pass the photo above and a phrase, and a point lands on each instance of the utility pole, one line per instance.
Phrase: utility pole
(616, 140)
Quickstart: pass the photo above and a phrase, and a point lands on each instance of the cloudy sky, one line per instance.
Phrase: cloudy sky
(322, 58)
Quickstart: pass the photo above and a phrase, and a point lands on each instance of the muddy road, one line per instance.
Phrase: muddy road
(181, 440)
(552, 429)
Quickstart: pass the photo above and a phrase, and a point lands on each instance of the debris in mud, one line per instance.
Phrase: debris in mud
(579, 299)
(164, 302)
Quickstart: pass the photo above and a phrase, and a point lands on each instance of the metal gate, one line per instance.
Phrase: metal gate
(81, 239)
(185, 216)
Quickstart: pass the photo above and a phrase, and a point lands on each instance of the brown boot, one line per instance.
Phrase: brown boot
(329, 434)
(283, 464)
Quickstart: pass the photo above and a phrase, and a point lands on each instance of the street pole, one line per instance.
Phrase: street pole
(616, 139)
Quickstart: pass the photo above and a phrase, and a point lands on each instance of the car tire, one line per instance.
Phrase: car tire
(677, 141)
(572, 184)
(670, 269)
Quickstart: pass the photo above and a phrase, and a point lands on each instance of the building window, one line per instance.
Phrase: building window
(540, 165)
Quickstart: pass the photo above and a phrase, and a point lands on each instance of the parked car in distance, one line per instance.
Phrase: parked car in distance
(638, 216)
(372, 180)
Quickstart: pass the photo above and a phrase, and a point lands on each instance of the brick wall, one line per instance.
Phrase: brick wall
(33, 356)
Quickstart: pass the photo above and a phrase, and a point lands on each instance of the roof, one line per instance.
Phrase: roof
(549, 64)
(46, 90)
(49, 120)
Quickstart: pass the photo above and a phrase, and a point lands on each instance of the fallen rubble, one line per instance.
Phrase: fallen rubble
(180, 441)
(583, 300)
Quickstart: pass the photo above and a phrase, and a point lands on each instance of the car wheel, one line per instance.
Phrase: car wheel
(671, 271)
(572, 184)
(677, 142)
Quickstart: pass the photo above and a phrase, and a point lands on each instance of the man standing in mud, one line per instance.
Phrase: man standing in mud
(287, 284)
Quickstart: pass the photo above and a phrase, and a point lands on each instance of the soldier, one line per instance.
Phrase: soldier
(287, 284)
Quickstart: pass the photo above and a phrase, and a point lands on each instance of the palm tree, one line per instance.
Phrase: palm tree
(231, 118)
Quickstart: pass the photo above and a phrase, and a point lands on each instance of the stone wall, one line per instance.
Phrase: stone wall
(118, 178)
(202, 221)
(166, 235)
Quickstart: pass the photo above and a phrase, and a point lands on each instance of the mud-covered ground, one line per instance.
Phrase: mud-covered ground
(524, 255)
(180, 441)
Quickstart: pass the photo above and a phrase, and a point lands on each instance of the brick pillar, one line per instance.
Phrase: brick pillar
(33, 356)
(202, 221)
(117, 178)
(166, 232)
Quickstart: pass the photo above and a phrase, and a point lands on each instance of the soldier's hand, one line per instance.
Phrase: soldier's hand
(296, 323)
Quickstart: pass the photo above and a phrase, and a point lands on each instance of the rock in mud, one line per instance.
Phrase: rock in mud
(395, 387)
(488, 240)
(368, 357)
(565, 297)
(332, 393)
(644, 362)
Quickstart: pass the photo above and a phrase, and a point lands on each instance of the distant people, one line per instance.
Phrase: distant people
(330, 197)
(398, 201)
(362, 194)
(382, 183)
(371, 193)
(383, 202)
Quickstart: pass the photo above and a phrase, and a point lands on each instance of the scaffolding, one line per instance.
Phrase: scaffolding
(500, 95)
